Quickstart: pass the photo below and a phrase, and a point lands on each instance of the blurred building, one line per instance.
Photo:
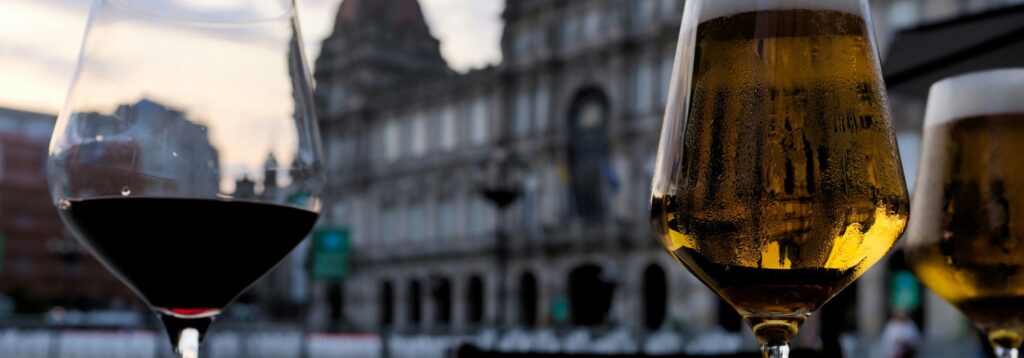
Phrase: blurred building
(923, 41)
(43, 265)
(578, 100)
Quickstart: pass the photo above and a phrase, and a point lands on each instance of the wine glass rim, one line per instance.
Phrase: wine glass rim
(287, 12)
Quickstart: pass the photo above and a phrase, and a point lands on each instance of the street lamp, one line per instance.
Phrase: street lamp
(501, 184)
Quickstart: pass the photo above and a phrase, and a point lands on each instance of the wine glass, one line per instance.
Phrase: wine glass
(966, 235)
(187, 157)
(778, 180)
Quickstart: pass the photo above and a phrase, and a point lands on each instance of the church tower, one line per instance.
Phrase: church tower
(377, 46)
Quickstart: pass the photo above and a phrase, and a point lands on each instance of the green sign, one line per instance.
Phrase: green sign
(905, 291)
(330, 253)
(560, 310)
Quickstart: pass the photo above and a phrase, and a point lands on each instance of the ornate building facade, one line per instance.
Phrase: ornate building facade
(578, 100)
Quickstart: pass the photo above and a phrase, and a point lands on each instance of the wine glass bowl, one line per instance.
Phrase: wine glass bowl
(964, 240)
(187, 157)
(778, 180)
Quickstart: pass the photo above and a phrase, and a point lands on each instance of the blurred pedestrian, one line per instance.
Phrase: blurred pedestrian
(901, 337)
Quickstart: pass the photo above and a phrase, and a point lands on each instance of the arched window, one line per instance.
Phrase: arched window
(387, 304)
(415, 302)
(475, 300)
(528, 300)
(590, 296)
(588, 153)
(655, 296)
(442, 295)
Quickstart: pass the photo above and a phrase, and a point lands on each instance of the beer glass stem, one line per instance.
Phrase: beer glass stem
(1004, 352)
(780, 350)
(188, 343)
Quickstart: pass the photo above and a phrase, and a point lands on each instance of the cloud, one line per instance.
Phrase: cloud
(470, 30)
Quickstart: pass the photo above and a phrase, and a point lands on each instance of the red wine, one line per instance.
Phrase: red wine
(187, 257)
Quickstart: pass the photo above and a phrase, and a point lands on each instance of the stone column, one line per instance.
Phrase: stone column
(871, 305)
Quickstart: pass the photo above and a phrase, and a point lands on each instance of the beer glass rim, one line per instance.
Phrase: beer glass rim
(973, 94)
(723, 8)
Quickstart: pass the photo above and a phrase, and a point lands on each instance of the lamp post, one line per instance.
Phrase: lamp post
(501, 185)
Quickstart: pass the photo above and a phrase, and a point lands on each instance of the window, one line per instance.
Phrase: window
(416, 222)
(642, 88)
(479, 116)
(569, 30)
(903, 14)
(910, 145)
(479, 217)
(358, 220)
(447, 218)
(592, 24)
(668, 8)
(336, 152)
(521, 42)
(665, 78)
(337, 99)
(644, 13)
(388, 223)
(448, 128)
(540, 39)
(522, 112)
(419, 135)
(541, 102)
(392, 140)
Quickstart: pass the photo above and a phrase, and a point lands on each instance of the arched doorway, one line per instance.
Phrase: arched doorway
(442, 295)
(838, 316)
(387, 305)
(588, 152)
(475, 300)
(415, 303)
(528, 300)
(590, 296)
(655, 296)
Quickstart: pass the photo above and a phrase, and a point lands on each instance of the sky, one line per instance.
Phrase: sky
(40, 39)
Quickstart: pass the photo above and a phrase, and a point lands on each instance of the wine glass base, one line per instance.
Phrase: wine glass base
(778, 330)
(175, 326)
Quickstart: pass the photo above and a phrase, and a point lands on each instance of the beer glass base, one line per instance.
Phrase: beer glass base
(1005, 342)
(775, 331)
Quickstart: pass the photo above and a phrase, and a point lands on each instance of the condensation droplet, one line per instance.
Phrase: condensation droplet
(63, 204)
(126, 191)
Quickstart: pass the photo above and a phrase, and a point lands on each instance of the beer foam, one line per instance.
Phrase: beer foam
(713, 9)
(976, 94)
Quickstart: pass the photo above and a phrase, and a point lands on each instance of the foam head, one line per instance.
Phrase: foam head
(713, 9)
(976, 94)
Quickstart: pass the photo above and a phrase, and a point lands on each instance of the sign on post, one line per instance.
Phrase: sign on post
(330, 253)
(905, 291)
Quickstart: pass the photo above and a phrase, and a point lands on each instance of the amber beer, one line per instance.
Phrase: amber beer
(790, 187)
(966, 241)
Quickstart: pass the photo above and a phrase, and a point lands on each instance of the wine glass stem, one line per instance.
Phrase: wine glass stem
(777, 350)
(1003, 352)
(188, 343)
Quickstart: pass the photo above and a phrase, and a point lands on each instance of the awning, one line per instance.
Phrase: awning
(923, 55)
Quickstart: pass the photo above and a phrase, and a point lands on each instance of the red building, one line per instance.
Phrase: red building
(42, 264)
